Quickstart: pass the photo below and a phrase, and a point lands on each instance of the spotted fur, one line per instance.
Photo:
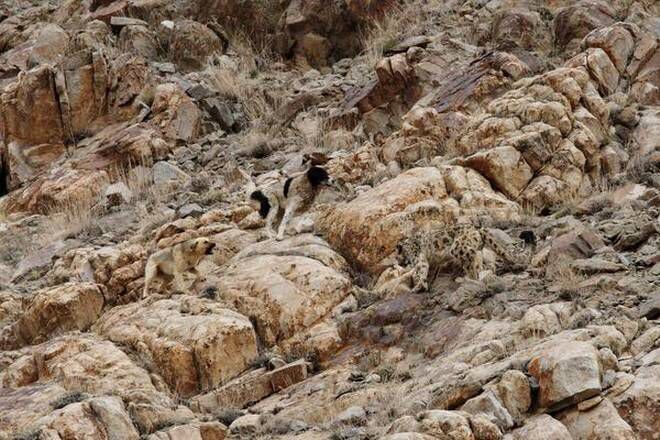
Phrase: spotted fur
(461, 244)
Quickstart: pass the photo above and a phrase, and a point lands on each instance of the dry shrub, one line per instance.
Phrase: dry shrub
(73, 217)
(565, 278)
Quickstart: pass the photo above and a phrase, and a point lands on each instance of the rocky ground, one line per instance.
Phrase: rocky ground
(128, 126)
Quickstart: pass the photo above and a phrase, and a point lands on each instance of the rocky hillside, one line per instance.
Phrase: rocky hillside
(129, 126)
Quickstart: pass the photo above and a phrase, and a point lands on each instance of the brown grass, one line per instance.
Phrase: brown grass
(565, 278)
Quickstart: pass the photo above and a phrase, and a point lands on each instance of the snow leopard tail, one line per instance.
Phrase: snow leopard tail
(518, 259)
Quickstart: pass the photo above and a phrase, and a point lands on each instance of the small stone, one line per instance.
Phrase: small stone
(589, 403)
(165, 67)
(190, 210)
(288, 375)
(127, 21)
(276, 362)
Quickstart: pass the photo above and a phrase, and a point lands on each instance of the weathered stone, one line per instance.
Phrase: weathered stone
(138, 39)
(287, 375)
(519, 27)
(488, 404)
(97, 418)
(597, 265)
(354, 415)
(616, 41)
(51, 44)
(175, 113)
(578, 20)
(366, 229)
(567, 373)
(166, 173)
(191, 45)
(599, 422)
(238, 393)
(193, 431)
(542, 427)
(514, 392)
(504, 167)
(54, 311)
(193, 343)
(86, 364)
(285, 287)
(640, 403)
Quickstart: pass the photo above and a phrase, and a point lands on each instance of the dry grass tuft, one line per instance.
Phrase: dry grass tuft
(565, 278)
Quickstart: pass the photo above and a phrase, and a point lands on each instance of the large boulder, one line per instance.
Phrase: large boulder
(284, 287)
(599, 422)
(89, 365)
(567, 373)
(640, 404)
(53, 311)
(50, 45)
(504, 167)
(575, 21)
(193, 343)
(21, 407)
(98, 417)
(367, 229)
(139, 40)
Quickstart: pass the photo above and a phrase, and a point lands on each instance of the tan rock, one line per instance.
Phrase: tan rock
(519, 27)
(191, 45)
(288, 375)
(20, 408)
(50, 45)
(484, 429)
(86, 364)
(504, 167)
(488, 405)
(99, 417)
(514, 392)
(408, 436)
(367, 229)
(247, 389)
(175, 113)
(616, 40)
(193, 343)
(34, 120)
(542, 427)
(567, 373)
(285, 287)
(600, 422)
(639, 404)
(54, 311)
(600, 67)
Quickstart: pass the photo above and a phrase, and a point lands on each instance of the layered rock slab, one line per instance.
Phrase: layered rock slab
(283, 287)
(193, 343)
